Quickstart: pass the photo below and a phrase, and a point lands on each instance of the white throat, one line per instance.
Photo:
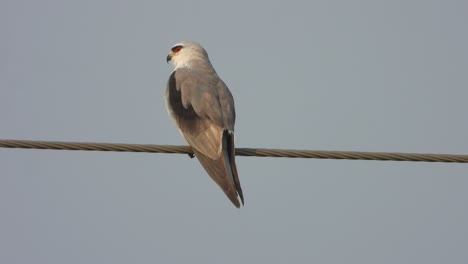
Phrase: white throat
(193, 62)
(183, 64)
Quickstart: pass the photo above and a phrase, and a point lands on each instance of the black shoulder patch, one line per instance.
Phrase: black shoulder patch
(175, 101)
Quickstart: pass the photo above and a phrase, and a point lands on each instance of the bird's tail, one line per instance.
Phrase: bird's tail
(224, 170)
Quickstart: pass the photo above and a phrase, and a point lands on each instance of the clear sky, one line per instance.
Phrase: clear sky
(331, 75)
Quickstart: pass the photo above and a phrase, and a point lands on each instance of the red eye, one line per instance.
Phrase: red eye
(176, 48)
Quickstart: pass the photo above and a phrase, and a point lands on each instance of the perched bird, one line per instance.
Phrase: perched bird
(203, 108)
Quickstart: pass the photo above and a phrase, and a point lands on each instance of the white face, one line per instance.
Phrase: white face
(177, 54)
(183, 54)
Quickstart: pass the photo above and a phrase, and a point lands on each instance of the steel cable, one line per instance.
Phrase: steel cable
(257, 152)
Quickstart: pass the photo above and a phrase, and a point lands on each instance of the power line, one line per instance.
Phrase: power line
(258, 152)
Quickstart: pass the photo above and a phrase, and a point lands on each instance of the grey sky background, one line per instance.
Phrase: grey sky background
(331, 75)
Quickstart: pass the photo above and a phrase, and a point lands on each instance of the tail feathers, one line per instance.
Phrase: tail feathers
(223, 170)
(231, 150)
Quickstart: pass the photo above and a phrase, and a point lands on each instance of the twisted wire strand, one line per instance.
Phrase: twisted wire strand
(258, 152)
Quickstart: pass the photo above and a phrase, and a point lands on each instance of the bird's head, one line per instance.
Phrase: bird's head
(185, 54)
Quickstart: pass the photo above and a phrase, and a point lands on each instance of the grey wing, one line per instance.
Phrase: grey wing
(205, 116)
(229, 118)
(196, 111)
(227, 105)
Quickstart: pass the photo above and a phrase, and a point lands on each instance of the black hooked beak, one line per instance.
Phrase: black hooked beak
(168, 58)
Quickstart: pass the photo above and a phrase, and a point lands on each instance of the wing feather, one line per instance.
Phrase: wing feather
(189, 111)
(204, 113)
